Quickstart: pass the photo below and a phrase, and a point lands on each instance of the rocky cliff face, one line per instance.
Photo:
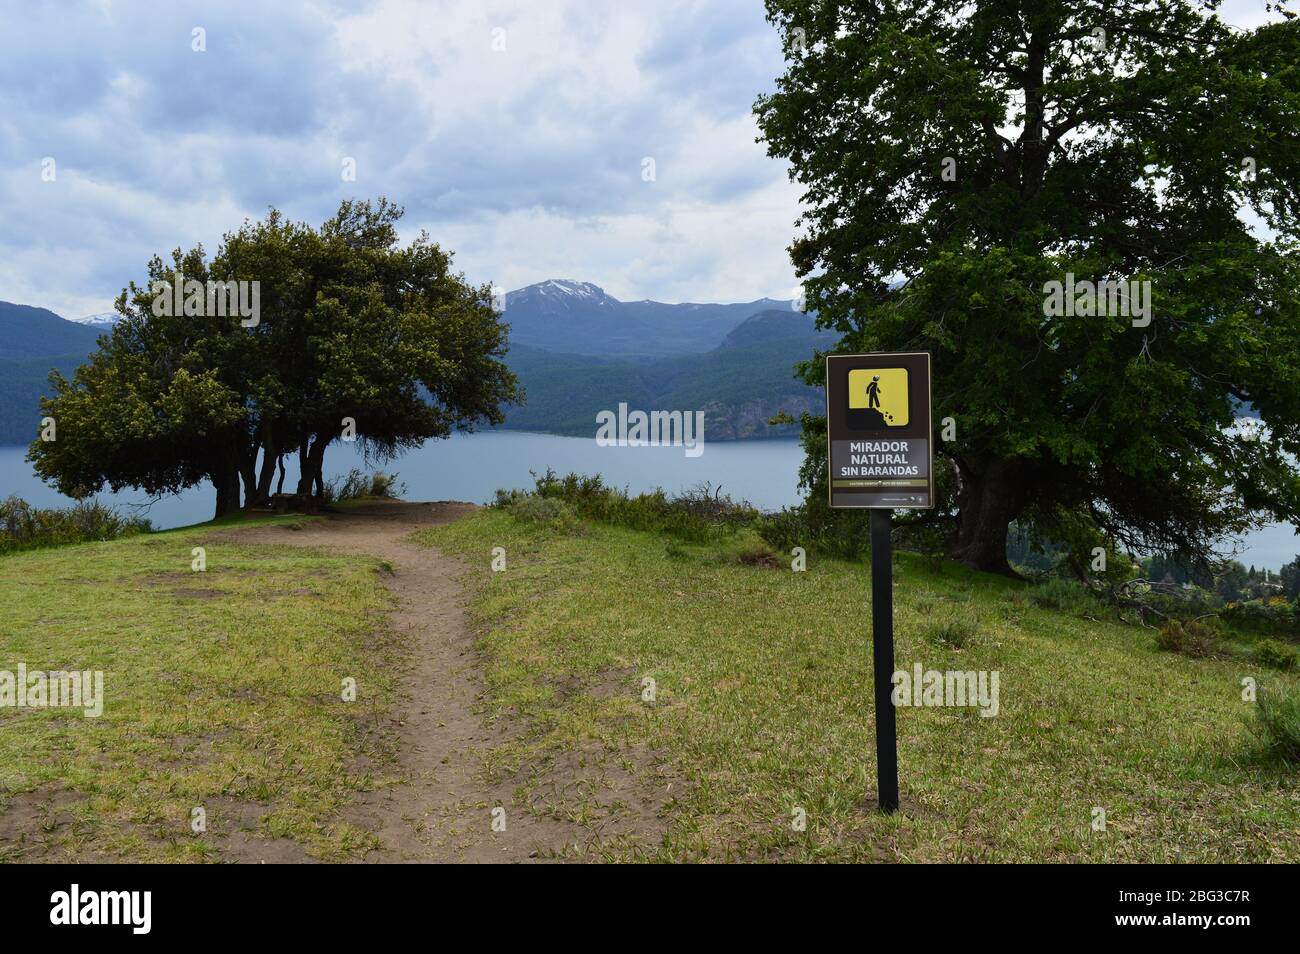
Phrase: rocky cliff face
(748, 419)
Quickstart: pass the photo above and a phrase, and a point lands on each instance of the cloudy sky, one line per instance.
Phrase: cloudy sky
(516, 133)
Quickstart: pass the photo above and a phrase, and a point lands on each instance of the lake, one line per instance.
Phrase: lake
(472, 466)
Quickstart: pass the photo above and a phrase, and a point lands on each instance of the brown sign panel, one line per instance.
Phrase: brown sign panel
(878, 430)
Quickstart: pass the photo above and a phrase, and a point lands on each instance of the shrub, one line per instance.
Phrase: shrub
(758, 553)
(386, 485)
(1188, 637)
(698, 515)
(955, 628)
(356, 485)
(1166, 601)
(816, 527)
(1277, 722)
(1070, 596)
(1191, 601)
(783, 530)
(1275, 654)
(1261, 617)
(846, 534)
(506, 498)
(545, 511)
(926, 538)
(24, 527)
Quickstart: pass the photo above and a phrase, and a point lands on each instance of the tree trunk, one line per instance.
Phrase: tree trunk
(989, 500)
(304, 475)
(269, 457)
(226, 481)
(230, 466)
(248, 474)
(316, 459)
(312, 461)
(279, 462)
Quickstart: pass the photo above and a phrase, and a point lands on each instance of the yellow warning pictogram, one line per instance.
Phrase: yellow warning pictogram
(883, 390)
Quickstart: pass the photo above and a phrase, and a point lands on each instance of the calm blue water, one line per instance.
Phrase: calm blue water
(471, 467)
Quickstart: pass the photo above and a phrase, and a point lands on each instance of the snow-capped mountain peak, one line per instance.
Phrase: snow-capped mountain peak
(562, 292)
(563, 286)
(105, 319)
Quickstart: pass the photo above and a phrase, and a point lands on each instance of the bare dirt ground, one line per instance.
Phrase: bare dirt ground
(442, 811)
(441, 807)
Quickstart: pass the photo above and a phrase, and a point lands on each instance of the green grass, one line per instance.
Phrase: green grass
(223, 690)
(764, 705)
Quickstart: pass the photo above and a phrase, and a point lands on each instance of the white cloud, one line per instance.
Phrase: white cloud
(526, 162)
(678, 251)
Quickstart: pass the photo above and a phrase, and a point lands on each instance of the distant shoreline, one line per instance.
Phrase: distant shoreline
(591, 436)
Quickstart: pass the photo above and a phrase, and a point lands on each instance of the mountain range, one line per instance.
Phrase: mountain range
(101, 322)
(576, 350)
(579, 318)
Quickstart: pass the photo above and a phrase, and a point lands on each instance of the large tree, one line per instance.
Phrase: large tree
(978, 152)
(357, 337)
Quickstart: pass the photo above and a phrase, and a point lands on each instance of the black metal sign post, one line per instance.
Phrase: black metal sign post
(882, 658)
(878, 443)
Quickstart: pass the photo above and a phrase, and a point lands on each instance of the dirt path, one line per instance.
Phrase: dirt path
(443, 812)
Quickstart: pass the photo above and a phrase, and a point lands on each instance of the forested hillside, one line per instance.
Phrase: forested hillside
(739, 385)
(726, 360)
(32, 342)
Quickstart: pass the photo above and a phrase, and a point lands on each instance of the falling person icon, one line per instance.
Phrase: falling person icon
(873, 392)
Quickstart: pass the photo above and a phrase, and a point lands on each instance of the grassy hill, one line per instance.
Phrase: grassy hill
(764, 706)
(222, 691)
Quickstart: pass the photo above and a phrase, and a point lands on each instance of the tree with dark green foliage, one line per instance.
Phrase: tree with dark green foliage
(984, 151)
(1179, 568)
(1231, 580)
(352, 326)
(1289, 577)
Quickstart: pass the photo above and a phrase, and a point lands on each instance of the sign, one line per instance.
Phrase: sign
(878, 440)
(878, 430)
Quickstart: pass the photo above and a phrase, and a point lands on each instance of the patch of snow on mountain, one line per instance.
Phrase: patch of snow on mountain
(562, 290)
(103, 318)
